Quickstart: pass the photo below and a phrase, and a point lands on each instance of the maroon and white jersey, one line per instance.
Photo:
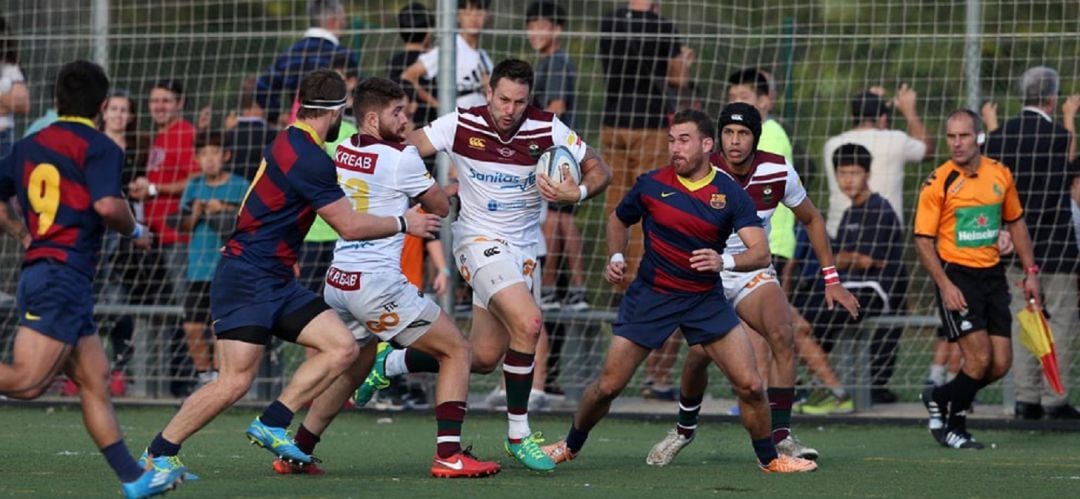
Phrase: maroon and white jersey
(770, 181)
(499, 197)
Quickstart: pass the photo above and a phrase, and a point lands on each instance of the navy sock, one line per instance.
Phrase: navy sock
(575, 439)
(765, 450)
(122, 463)
(161, 447)
(276, 415)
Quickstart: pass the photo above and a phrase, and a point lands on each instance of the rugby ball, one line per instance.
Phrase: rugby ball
(551, 163)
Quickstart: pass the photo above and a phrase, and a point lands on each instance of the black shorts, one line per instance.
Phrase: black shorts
(568, 208)
(197, 302)
(987, 294)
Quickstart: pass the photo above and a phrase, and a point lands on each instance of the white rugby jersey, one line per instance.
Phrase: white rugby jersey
(473, 67)
(771, 181)
(379, 178)
(499, 197)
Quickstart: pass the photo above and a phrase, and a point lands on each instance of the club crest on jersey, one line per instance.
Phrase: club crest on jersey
(477, 143)
(766, 195)
(534, 150)
(718, 201)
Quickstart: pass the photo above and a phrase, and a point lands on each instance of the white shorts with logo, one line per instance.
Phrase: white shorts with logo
(739, 285)
(385, 304)
(491, 265)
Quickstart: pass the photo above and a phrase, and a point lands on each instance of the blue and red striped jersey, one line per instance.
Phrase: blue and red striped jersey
(295, 179)
(678, 218)
(57, 174)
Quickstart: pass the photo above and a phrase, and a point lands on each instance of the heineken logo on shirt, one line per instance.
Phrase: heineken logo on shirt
(977, 226)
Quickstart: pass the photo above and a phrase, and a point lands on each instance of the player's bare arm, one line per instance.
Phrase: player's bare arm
(1022, 242)
(116, 214)
(756, 256)
(809, 215)
(618, 237)
(419, 139)
(353, 226)
(595, 176)
(13, 226)
(435, 201)
(951, 296)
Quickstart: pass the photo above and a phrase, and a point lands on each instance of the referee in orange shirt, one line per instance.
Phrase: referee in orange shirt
(961, 209)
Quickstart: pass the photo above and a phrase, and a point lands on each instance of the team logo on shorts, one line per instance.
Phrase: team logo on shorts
(718, 201)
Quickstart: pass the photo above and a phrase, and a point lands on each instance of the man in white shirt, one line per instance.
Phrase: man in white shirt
(891, 149)
(380, 174)
(496, 235)
(473, 64)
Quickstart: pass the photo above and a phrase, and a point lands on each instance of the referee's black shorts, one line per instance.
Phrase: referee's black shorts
(986, 291)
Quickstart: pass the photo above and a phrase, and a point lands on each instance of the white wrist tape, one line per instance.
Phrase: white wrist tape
(727, 262)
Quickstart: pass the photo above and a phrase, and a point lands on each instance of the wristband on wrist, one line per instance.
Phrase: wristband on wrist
(403, 226)
(727, 262)
(584, 193)
(830, 275)
(152, 190)
(1031, 270)
(446, 271)
(137, 232)
(617, 258)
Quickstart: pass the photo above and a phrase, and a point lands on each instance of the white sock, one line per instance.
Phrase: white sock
(395, 364)
(519, 426)
(937, 374)
(840, 393)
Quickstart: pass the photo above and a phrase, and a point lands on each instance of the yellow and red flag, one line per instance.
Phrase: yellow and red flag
(1035, 334)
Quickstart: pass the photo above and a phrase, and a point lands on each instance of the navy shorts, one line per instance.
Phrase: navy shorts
(251, 305)
(57, 301)
(648, 318)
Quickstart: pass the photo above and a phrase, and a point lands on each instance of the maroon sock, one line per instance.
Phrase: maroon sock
(780, 401)
(448, 417)
(306, 440)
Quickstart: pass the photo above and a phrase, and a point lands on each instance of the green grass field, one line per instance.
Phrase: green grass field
(46, 453)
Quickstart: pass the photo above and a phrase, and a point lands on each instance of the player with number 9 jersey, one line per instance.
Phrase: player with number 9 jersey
(66, 180)
(58, 173)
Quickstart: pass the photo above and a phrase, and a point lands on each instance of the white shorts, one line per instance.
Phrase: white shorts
(739, 285)
(384, 304)
(491, 265)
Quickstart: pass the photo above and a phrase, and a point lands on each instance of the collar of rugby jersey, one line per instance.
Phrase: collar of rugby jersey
(310, 131)
(693, 185)
(315, 32)
(77, 119)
